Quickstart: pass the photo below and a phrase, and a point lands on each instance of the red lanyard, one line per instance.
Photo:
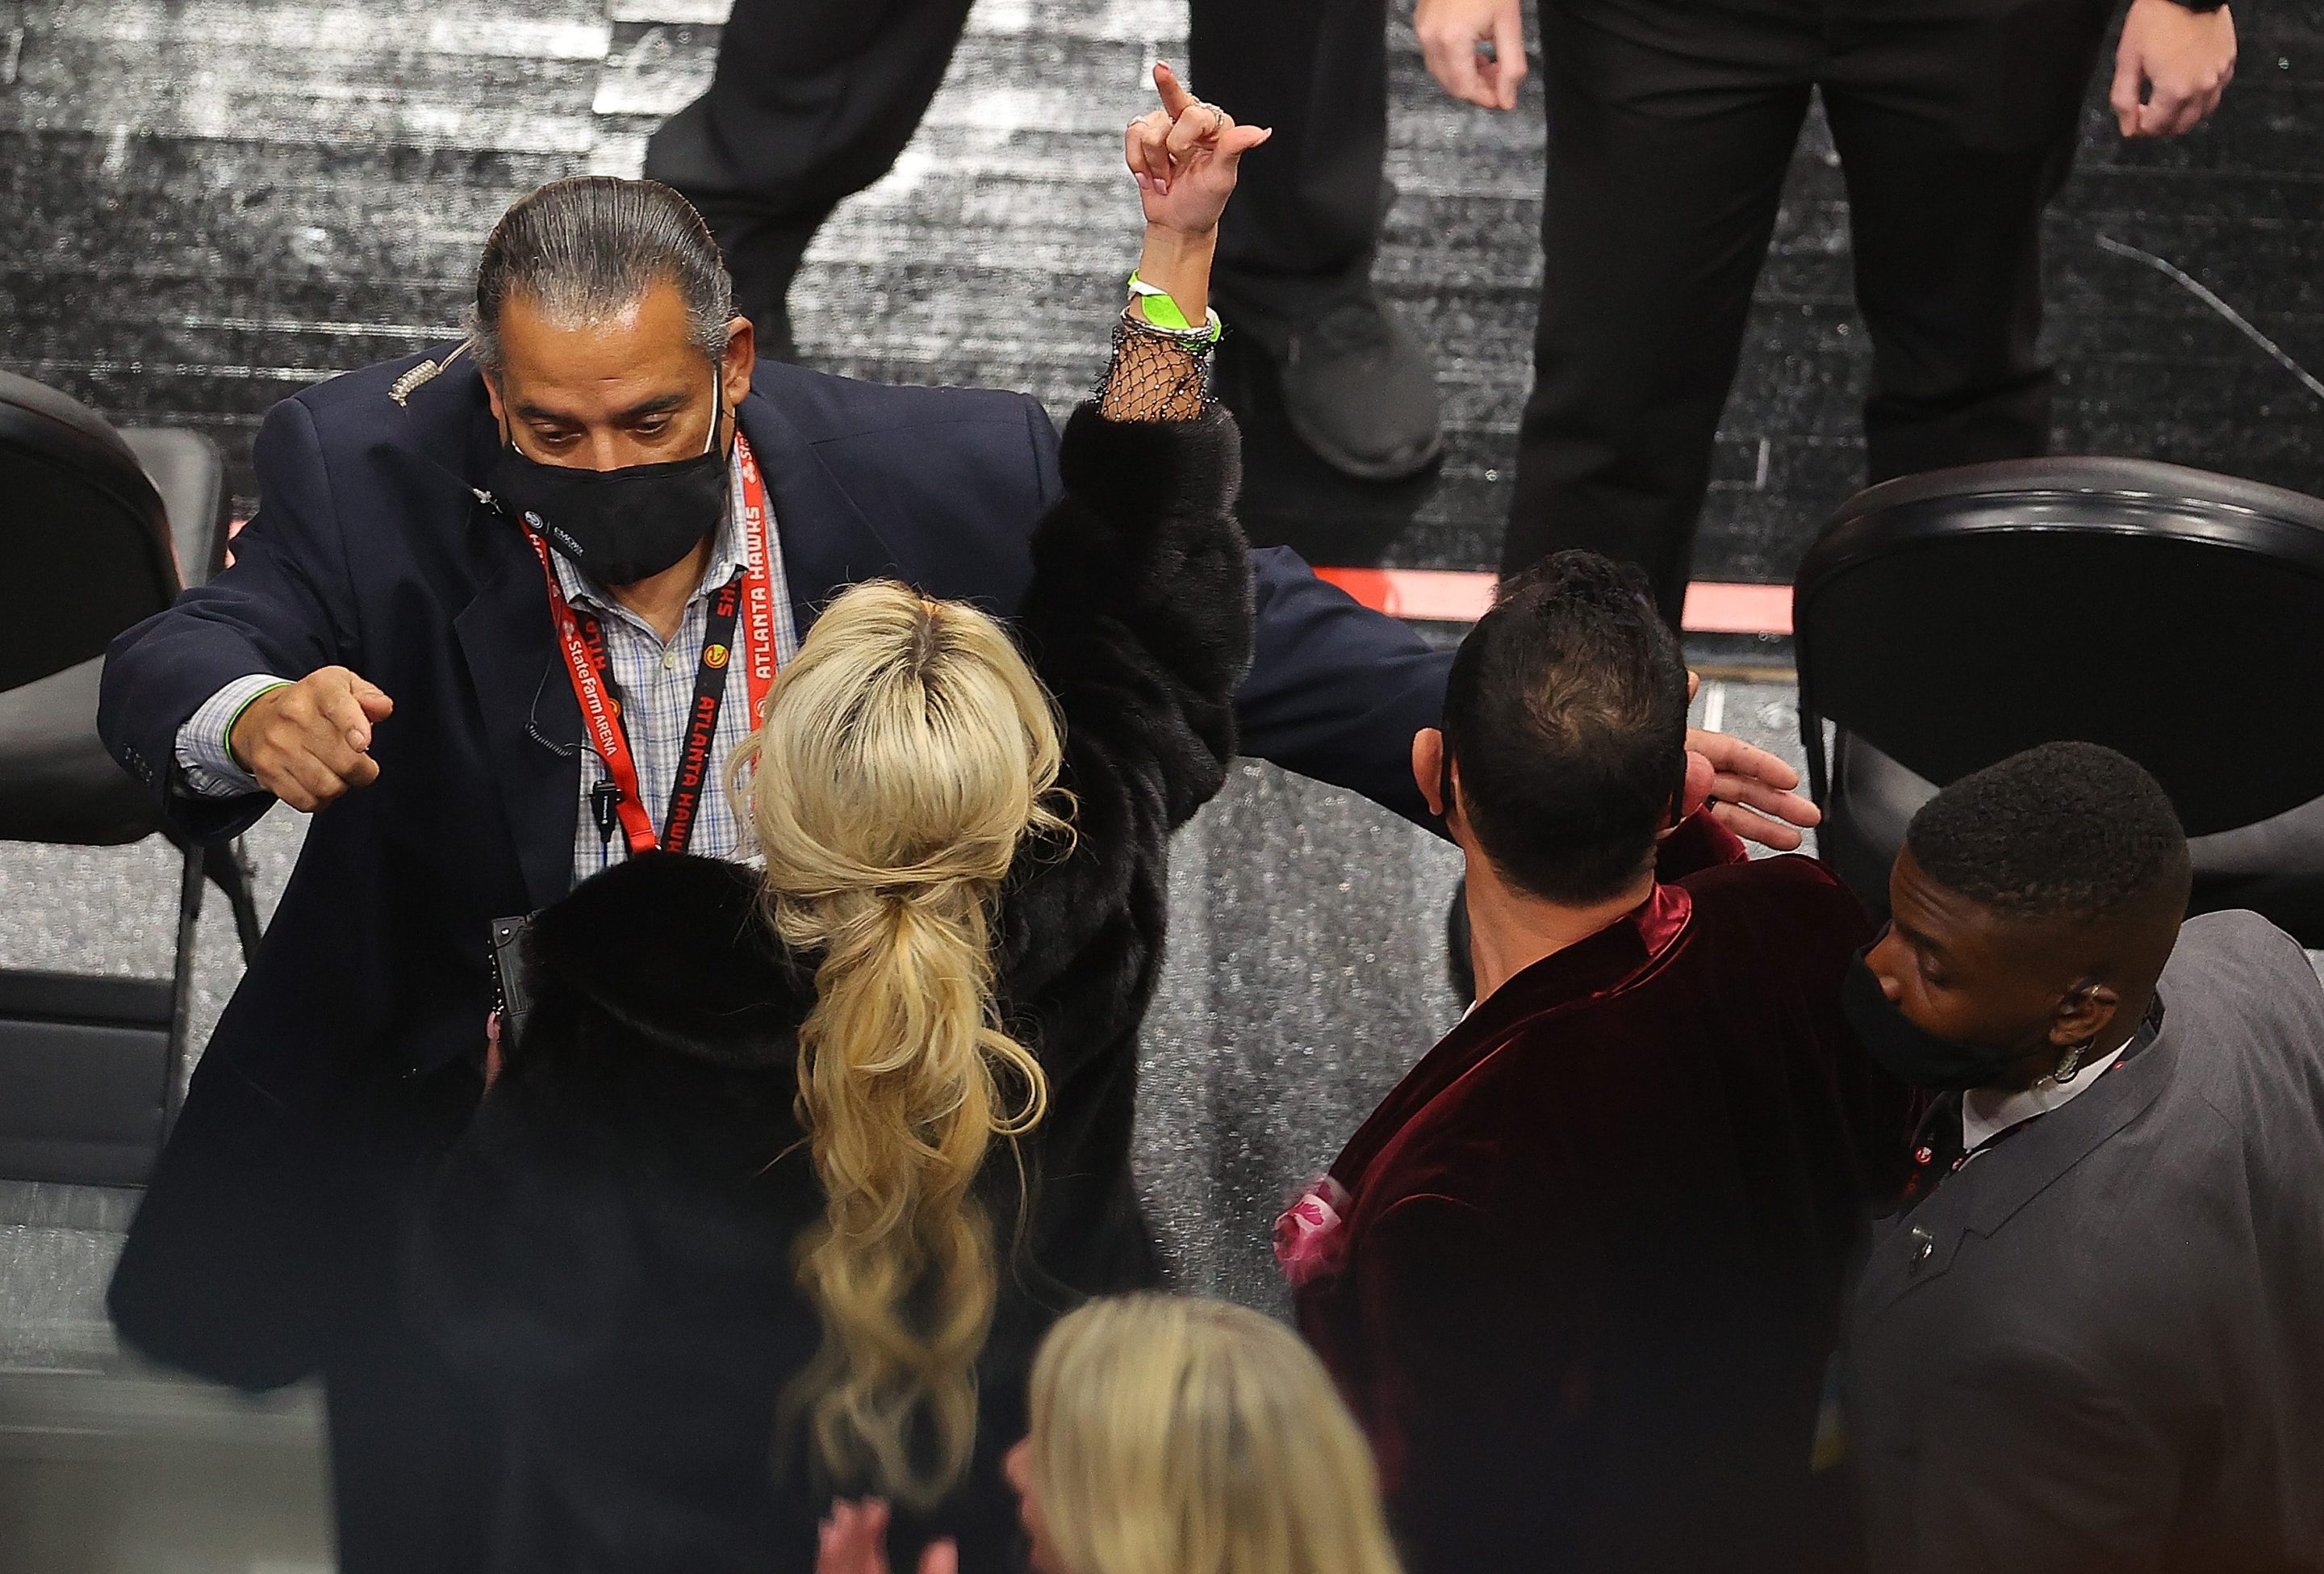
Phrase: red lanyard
(751, 595)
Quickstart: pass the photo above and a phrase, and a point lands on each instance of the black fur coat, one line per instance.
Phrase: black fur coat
(606, 1255)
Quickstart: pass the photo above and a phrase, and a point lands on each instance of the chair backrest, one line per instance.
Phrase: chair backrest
(86, 532)
(1955, 619)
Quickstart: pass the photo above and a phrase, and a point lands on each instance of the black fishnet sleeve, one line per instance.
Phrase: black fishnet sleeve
(1152, 377)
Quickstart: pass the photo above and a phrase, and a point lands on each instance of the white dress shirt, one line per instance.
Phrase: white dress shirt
(1987, 1112)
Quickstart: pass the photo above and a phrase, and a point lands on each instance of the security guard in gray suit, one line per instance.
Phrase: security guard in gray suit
(2094, 1339)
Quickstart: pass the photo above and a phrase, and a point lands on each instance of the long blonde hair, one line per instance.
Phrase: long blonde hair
(1172, 1435)
(907, 753)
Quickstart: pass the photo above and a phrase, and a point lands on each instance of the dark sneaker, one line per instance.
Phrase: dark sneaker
(1357, 386)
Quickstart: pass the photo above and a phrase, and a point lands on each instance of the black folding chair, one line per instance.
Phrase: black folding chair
(1946, 621)
(103, 527)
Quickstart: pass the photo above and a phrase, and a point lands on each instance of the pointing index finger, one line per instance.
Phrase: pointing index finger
(1174, 97)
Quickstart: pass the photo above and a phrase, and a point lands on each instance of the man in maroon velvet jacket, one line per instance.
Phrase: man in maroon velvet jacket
(1581, 1274)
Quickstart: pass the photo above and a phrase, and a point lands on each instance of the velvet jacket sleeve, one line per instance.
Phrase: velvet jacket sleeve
(1476, 1340)
(285, 606)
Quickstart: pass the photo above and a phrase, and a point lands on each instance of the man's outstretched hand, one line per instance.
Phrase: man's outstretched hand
(309, 742)
(1752, 787)
(1184, 155)
(2170, 67)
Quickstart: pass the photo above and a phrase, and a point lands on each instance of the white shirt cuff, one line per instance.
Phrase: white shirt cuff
(208, 763)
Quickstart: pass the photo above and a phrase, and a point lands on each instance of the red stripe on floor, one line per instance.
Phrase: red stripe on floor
(1428, 594)
(1441, 596)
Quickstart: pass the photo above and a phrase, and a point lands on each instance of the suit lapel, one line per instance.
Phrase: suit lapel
(1920, 1246)
(827, 544)
(531, 722)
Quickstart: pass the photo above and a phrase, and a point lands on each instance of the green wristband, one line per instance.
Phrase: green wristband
(1160, 310)
(236, 719)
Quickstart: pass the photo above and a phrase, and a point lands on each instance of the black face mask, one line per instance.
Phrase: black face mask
(617, 526)
(1908, 1051)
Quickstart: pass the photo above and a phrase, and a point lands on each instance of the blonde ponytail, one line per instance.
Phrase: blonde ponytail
(906, 753)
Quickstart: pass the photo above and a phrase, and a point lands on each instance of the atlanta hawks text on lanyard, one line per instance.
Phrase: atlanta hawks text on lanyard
(652, 715)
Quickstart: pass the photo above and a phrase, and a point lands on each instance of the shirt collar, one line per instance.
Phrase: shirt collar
(1987, 1112)
(727, 555)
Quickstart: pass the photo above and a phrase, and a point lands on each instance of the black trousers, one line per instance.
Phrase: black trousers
(1671, 127)
(813, 100)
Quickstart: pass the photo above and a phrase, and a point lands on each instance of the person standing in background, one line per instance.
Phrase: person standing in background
(1671, 125)
(814, 99)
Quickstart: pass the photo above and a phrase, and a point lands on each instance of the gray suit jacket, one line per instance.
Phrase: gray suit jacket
(2100, 1345)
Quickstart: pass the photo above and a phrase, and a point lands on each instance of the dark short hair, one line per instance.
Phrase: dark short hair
(2067, 831)
(1566, 712)
(585, 248)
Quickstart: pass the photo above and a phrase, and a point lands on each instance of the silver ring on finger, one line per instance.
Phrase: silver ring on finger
(1218, 118)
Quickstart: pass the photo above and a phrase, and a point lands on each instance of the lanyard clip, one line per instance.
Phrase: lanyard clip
(605, 807)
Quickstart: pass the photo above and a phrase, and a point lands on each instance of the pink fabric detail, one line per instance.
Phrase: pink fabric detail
(1661, 916)
(1311, 1236)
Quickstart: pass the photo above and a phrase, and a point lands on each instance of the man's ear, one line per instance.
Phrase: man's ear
(2086, 1012)
(492, 394)
(1428, 768)
(740, 361)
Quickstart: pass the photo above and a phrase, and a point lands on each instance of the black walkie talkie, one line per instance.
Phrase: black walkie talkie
(605, 806)
(512, 990)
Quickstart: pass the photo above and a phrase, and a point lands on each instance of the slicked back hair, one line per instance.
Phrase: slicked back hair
(586, 248)
(1566, 714)
(2065, 830)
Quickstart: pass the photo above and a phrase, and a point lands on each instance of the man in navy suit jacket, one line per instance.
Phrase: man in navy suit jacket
(378, 569)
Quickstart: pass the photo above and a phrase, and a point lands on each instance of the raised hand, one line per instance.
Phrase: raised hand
(854, 1540)
(1753, 788)
(309, 742)
(1184, 155)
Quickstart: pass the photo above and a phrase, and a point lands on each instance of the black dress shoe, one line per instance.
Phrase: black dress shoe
(1358, 387)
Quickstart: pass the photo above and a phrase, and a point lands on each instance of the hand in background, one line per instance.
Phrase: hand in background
(854, 1540)
(1753, 787)
(1450, 31)
(1184, 155)
(309, 742)
(2170, 68)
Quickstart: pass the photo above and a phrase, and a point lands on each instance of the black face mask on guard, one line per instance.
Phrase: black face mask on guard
(1907, 1050)
(617, 526)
